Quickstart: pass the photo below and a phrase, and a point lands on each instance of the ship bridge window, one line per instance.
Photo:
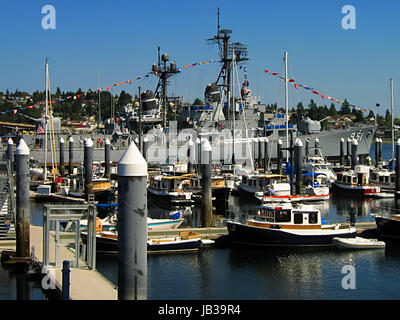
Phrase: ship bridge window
(282, 133)
(164, 185)
(282, 216)
(354, 179)
(298, 218)
(392, 179)
(339, 177)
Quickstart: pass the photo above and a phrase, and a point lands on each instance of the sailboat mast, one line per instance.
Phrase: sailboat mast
(233, 108)
(392, 105)
(45, 121)
(286, 105)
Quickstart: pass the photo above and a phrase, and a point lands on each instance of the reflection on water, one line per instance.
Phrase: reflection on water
(15, 286)
(274, 273)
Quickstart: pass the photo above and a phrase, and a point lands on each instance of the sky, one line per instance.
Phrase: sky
(114, 41)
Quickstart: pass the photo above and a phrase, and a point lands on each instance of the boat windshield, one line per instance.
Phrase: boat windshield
(275, 216)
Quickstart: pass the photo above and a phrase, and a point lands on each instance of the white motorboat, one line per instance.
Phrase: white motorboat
(358, 243)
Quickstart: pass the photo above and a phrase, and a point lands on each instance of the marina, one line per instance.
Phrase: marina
(242, 194)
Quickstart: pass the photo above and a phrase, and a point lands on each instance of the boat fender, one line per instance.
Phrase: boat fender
(99, 225)
(275, 226)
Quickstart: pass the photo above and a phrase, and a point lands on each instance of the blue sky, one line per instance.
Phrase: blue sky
(119, 40)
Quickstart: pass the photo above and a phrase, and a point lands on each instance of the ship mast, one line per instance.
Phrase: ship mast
(392, 105)
(286, 105)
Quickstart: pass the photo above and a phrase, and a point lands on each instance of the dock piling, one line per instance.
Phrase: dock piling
(342, 156)
(10, 145)
(348, 151)
(191, 153)
(71, 155)
(397, 181)
(279, 156)
(132, 224)
(354, 154)
(23, 206)
(206, 199)
(65, 280)
(107, 162)
(88, 165)
(266, 155)
(298, 152)
(62, 165)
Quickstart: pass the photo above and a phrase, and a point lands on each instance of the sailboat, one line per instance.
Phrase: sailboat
(45, 187)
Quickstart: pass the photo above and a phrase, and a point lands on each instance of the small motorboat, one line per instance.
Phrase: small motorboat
(358, 243)
(186, 241)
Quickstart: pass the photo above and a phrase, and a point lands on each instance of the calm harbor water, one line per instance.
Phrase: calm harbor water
(254, 273)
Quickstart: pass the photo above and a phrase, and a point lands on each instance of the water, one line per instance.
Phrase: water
(253, 273)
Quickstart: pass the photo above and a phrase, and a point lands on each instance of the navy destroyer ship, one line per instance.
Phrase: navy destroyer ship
(225, 110)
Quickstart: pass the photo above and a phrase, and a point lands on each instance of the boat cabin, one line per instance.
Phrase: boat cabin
(286, 214)
(358, 177)
(216, 182)
(263, 181)
(168, 183)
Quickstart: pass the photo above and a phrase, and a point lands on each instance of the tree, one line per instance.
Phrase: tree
(197, 102)
(312, 110)
(332, 111)
(345, 109)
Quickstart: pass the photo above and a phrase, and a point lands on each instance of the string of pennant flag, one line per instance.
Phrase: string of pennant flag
(297, 85)
(74, 97)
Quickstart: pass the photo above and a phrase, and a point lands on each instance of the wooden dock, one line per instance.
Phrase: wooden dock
(85, 284)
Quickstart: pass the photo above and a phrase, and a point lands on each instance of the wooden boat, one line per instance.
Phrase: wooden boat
(186, 241)
(219, 188)
(287, 224)
(168, 190)
(109, 223)
(388, 227)
(358, 243)
(256, 186)
(356, 182)
(383, 178)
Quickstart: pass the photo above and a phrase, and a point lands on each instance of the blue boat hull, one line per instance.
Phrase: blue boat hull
(244, 234)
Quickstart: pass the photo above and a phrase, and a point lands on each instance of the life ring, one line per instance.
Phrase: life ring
(98, 140)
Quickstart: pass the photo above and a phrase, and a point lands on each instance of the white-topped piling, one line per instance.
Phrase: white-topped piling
(71, 155)
(10, 146)
(107, 161)
(342, 156)
(354, 153)
(266, 155)
(132, 224)
(279, 156)
(191, 155)
(397, 168)
(298, 155)
(62, 164)
(348, 151)
(22, 204)
(206, 199)
(88, 166)
(380, 150)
